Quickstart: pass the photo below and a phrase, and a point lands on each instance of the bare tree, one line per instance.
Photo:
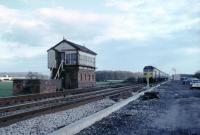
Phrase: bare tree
(115, 75)
(35, 75)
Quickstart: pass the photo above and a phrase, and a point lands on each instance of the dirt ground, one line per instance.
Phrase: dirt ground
(176, 112)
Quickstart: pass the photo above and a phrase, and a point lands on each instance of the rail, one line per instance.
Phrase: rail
(14, 113)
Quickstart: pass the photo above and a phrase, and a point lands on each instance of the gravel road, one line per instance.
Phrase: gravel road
(176, 112)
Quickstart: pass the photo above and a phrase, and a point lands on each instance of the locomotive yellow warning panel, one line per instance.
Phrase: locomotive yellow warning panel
(148, 74)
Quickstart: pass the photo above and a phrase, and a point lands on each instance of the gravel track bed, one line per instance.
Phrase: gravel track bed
(45, 124)
(31, 108)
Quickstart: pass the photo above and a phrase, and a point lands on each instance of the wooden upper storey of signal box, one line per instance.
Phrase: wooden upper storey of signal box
(72, 54)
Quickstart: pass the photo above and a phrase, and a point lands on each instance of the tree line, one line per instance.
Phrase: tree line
(197, 74)
(116, 75)
(35, 75)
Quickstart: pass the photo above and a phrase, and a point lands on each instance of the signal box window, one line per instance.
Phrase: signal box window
(71, 59)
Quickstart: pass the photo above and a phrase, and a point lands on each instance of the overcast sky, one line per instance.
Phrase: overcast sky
(126, 34)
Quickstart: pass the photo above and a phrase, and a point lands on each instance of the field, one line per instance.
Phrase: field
(6, 89)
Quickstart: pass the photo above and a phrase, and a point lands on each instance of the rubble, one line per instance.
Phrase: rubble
(150, 95)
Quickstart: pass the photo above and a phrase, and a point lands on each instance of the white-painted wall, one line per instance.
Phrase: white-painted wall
(176, 77)
(64, 46)
(51, 59)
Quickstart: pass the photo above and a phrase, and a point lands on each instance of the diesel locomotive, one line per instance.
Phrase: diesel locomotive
(154, 74)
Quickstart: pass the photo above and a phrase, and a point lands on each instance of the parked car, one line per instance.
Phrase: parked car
(189, 81)
(183, 78)
(196, 84)
(194, 80)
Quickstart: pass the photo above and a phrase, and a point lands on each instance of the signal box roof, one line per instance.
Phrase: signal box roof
(77, 46)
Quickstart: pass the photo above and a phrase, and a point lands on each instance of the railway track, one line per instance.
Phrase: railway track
(5, 101)
(32, 106)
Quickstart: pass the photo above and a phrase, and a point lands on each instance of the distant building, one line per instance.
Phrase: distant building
(180, 76)
(73, 63)
(6, 78)
(10, 76)
(176, 77)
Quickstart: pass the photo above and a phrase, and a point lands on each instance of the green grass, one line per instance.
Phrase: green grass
(6, 89)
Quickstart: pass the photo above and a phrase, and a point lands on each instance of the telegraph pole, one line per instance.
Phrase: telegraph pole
(173, 69)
